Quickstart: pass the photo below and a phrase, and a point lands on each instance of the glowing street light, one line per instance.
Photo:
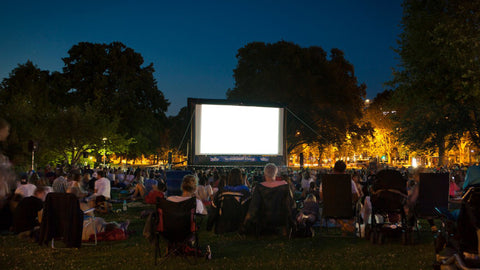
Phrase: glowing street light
(414, 163)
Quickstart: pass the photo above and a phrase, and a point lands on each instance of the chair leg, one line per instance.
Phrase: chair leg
(92, 222)
(197, 249)
(95, 224)
(157, 248)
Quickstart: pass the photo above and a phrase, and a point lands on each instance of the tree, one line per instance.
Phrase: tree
(438, 77)
(25, 102)
(381, 115)
(111, 77)
(78, 130)
(103, 92)
(34, 102)
(322, 94)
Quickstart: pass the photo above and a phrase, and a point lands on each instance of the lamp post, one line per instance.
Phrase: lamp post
(104, 150)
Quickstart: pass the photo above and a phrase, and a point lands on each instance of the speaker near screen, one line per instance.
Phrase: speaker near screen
(229, 133)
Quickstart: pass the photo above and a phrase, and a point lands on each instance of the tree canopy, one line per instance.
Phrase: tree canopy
(112, 78)
(437, 82)
(382, 117)
(322, 91)
(103, 92)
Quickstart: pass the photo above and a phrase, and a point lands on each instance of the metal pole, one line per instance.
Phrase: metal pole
(104, 154)
(33, 159)
(104, 151)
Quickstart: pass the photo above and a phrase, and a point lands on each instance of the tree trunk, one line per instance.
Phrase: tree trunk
(320, 153)
(441, 153)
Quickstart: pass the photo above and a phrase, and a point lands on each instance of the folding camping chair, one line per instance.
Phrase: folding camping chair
(388, 199)
(62, 219)
(271, 211)
(176, 224)
(337, 197)
(228, 212)
(89, 217)
(457, 243)
(432, 193)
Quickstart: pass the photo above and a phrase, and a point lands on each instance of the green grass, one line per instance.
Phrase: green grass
(231, 251)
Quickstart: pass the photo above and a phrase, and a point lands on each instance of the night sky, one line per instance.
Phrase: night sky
(193, 44)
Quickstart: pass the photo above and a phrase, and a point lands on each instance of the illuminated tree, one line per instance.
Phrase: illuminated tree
(381, 115)
(78, 130)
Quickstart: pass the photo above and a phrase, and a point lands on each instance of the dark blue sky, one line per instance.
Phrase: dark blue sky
(193, 44)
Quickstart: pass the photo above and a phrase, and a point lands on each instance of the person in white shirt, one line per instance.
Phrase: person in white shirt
(306, 180)
(102, 185)
(26, 189)
(101, 192)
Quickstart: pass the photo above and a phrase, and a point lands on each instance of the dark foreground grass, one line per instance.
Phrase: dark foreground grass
(324, 251)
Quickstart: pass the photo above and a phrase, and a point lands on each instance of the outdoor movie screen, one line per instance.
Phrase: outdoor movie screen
(222, 129)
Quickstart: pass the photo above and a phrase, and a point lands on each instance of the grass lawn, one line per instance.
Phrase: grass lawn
(324, 251)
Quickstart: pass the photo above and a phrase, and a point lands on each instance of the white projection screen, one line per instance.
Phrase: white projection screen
(224, 131)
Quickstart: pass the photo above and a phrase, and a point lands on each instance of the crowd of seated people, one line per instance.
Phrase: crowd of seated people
(256, 188)
(306, 189)
(266, 199)
(93, 187)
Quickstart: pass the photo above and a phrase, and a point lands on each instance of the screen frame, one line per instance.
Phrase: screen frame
(196, 159)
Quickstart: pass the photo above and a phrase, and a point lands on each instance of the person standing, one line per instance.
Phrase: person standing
(7, 176)
(7, 179)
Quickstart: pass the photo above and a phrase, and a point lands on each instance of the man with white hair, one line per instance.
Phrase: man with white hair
(270, 173)
(271, 205)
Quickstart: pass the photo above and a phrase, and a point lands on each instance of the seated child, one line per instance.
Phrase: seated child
(308, 215)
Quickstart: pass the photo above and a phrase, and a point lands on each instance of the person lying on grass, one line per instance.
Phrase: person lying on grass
(119, 229)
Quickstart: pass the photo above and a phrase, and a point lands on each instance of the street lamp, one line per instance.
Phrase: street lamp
(104, 150)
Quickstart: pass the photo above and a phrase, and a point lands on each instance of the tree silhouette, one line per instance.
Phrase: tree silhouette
(111, 77)
(322, 93)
